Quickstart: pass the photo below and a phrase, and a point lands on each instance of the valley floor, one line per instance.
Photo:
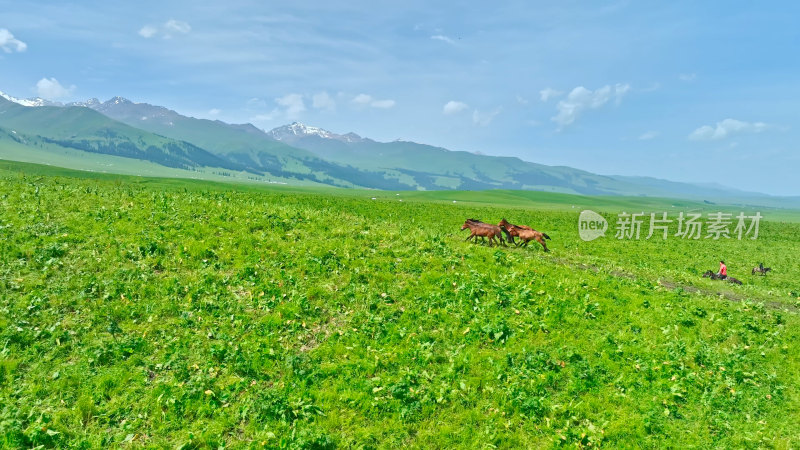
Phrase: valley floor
(183, 314)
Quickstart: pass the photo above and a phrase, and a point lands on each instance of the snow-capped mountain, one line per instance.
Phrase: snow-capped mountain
(37, 101)
(297, 130)
(120, 108)
(302, 152)
(116, 101)
(123, 106)
(91, 103)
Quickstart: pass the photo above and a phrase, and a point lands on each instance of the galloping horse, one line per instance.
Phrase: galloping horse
(484, 224)
(760, 269)
(529, 235)
(525, 233)
(478, 228)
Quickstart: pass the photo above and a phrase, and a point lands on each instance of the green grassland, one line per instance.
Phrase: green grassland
(151, 312)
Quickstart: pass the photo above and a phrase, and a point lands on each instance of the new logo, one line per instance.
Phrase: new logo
(591, 225)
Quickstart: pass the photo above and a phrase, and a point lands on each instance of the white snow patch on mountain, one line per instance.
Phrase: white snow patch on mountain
(29, 101)
(298, 130)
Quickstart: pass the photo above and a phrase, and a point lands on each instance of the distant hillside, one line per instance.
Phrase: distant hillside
(434, 168)
(693, 191)
(244, 144)
(89, 131)
(213, 135)
(431, 167)
(240, 148)
(298, 153)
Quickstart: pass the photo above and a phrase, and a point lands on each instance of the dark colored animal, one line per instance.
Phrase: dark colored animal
(711, 274)
(478, 228)
(716, 276)
(760, 269)
(524, 233)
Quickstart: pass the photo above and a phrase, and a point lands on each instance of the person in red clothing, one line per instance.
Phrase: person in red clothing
(723, 270)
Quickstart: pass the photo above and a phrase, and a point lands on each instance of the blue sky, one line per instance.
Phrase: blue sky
(688, 91)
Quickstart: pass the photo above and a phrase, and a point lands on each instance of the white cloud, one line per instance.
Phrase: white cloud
(362, 99)
(548, 93)
(165, 30)
(443, 38)
(483, 119)
(256, 102)
(214, 112)
(619, 91)
(367, 100)
(726, 128)
(290, 107)
(177, 26)
(266, 117)
(582, 99)
(323, 101)
(293, 105)
(648, 135)
(148, 31)
(687, 76)
(8, 43)
(383, 104)
(51, 89)
(453, 107)
(522, 100)
(653, 87)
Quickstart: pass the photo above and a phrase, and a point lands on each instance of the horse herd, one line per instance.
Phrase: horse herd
(526, 234)
(495, 232)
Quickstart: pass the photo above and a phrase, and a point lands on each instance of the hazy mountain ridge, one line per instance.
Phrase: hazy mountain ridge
(435, 167)
(296, 130)
(34, 101)
(123, 128)
(244, 144)
(87, 130)
(312, 154)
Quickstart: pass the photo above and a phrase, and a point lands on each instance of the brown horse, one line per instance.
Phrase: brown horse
(511, 229)
(473, 236)
(478, 228)
(529, 235)
(760, 269)
(525, 233)
(483, 235)
(716, 276)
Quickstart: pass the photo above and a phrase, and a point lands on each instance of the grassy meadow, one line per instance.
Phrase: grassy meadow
(157, 313)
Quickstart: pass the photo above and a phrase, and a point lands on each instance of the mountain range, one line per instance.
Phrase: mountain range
(119, 130)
